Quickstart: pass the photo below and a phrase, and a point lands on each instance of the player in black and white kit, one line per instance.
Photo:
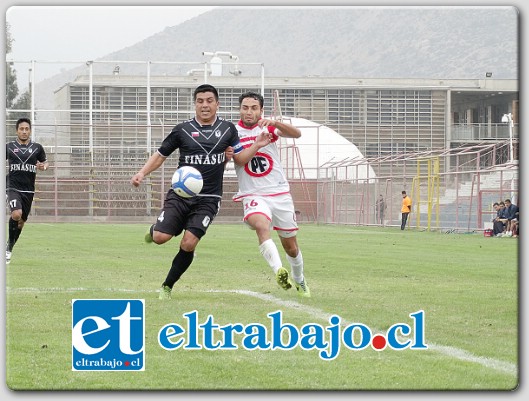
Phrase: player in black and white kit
(24, 158)
(202, 143)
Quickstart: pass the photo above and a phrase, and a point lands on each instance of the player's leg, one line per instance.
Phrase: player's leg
(295, 259)
(20, 206)
(180, 263)
(257, 215)
(164, 228)
(170, 223)
(198, 215)
(284, 222)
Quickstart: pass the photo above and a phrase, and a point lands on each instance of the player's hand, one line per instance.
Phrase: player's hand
(41, 166)
(263, 139)
(264, 122)
(137, 179)
(229, 153)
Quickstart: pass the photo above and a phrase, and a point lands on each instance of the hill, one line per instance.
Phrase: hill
(406, 42)
(363, 42)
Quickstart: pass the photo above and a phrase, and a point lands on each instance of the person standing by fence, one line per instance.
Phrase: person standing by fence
(380, 209)
(405, 209)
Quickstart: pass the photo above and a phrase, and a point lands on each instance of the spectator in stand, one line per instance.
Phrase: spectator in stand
(511, 214)
(497, 224)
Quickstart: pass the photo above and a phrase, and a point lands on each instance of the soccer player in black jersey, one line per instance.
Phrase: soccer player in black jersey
(24, 158)
(202, 142)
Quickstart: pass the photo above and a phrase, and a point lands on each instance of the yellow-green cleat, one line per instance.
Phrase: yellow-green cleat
(282, 278)
(148, 236)
(303, 289)
(165, 292)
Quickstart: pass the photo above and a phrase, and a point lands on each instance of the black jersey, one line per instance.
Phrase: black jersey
(22, 165)
(203, 146)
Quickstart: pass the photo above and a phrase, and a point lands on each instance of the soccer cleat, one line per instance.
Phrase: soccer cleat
(282, 278)
(165, 292)
(303, 289)
(148, 236)
(8, 257)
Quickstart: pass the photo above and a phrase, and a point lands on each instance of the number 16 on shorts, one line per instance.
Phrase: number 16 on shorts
(108, 334)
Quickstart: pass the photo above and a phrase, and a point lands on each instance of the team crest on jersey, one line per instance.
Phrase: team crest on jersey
(260, 165)
(217, 133)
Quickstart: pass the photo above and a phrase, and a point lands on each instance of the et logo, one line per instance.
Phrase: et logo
(260, 165)
(108, 334)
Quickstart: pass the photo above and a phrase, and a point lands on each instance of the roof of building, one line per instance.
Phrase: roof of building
(318, 148)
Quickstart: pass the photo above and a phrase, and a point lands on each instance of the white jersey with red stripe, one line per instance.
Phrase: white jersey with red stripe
(263, 175)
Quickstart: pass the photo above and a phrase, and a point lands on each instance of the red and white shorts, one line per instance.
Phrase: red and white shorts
(279, 210)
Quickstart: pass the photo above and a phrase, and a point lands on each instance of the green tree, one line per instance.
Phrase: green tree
(11, 75)
(13, 100)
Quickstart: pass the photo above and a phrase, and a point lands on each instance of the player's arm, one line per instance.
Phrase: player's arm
(42, 165)
(229, 152)
(154, 162)
(245, 155)
(42, 162)
(283, 129)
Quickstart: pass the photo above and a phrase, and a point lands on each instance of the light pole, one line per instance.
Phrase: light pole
(216, 62)
(507, 118)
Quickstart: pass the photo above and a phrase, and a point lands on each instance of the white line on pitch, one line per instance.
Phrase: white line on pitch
(452, 352)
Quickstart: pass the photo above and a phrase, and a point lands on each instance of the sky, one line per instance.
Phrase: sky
(81, 33)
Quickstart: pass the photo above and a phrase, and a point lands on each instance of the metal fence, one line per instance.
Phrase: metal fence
(101, 120)
(450, 188)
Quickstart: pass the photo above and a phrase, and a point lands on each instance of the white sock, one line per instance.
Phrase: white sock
(296, 265)
(271, 254)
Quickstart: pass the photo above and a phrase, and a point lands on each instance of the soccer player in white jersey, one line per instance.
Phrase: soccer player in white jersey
(265, 192)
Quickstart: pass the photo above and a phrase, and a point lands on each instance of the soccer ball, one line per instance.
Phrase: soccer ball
(187, 181)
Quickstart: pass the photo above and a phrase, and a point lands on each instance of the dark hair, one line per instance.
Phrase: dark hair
(496, 204)
(252, 95)
(501, 203)
(205, 88)
(23, 120)
(508, 200)
(403, 192)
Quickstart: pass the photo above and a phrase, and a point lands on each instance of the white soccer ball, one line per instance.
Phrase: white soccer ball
(187, 182)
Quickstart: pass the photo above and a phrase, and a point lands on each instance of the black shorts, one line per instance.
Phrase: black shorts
(193, 214)
(20, 200)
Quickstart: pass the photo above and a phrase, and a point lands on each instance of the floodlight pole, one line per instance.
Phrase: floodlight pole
(507, 118)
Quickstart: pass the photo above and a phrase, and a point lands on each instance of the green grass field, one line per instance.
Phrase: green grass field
(466, 284)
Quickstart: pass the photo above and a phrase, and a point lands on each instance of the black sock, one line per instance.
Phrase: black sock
(14, 233)
(181, 262)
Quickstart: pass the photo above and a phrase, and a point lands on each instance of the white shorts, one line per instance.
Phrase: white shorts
(279, 210)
